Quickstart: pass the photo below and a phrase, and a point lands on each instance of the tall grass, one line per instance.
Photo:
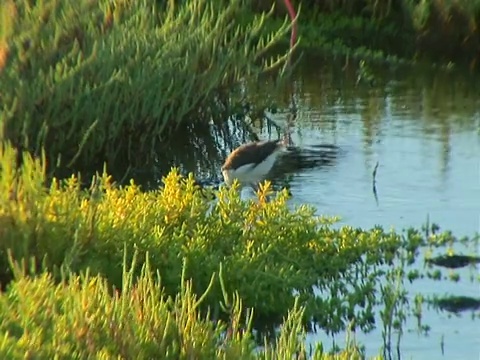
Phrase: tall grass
(110, 81)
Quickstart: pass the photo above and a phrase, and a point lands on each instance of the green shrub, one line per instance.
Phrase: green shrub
(270, 256)
(81, 318)
(267, 250)
(109, 81)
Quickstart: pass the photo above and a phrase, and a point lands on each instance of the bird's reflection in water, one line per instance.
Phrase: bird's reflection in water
(299, 159)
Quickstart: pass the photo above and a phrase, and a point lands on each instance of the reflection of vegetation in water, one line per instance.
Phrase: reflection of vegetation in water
(454, 261)
(272, 257)
(434, 103)
(456, 304)
(322, 83)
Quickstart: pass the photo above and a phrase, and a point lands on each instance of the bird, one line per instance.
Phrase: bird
(250, 163)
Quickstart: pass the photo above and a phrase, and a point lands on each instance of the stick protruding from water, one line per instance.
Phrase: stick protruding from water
(374, 182)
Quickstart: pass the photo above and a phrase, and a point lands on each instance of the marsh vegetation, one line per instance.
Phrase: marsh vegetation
(121, 270)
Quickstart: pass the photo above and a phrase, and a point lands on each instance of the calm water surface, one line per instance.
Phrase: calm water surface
(423, 129)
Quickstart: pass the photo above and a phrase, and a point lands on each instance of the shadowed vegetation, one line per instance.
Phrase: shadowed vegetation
(103, 81)
(454, 261)
(440, 31)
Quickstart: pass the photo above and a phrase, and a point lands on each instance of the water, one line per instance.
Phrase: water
(425, 139)
(423, 129)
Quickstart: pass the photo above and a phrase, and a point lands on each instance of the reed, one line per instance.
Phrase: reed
(99, 81)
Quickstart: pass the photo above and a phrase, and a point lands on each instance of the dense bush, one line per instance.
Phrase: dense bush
(81, 319)
(267, 251)
(109, 81)
(270, 256)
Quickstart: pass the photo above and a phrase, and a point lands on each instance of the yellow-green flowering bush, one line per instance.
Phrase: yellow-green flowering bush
(81, 318)
(67, 287)
(268, 252)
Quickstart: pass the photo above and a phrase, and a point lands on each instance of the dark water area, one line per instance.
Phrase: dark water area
(420, 126)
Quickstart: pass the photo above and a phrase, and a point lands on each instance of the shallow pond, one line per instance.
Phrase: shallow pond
(423, 129)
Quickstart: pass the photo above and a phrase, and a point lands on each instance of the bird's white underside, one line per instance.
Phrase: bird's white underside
(249, 174)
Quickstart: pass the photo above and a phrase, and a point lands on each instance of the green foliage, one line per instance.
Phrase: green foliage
(393, 31)
(108, 81)
(270, 256)
(267, 251)
(82, 318)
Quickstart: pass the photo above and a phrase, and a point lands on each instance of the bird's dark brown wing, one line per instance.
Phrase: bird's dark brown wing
(251, 153)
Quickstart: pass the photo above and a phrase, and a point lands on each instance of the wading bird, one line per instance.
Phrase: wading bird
(250, 163)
